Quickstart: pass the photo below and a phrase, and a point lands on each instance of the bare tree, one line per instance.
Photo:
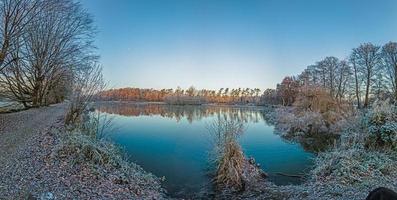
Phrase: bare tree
(389, 57)
(357, 81)
(15, 15)
(85, 86)
(342, 79)
(366, 60)
(328, 70)
(54, 47)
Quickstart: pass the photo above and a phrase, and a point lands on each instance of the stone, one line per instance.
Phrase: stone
(47, 196)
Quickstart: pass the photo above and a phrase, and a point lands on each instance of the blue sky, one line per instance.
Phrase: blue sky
(226, 43)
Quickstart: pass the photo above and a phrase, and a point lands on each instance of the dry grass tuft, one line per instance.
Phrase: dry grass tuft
(230, 166)
(229, 157)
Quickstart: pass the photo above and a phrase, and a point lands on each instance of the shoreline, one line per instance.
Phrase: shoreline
(46, 172)
(49, 174)
(206, 104)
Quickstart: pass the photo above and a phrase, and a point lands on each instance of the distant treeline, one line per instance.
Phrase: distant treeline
(182, 96)
(369, 73)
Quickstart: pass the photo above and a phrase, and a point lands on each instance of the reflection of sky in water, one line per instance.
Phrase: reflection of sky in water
(179, 149)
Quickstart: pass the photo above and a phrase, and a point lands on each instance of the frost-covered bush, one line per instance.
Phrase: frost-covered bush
(85, 149)
(351, 162)
(350, 166)
(308, 122)
(382, 126)
(284, 119)
(314, 112)
(353, 166)
(301, 123)
(354, 134)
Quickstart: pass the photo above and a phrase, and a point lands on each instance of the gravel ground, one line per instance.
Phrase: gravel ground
(16, 129)
(30, 168)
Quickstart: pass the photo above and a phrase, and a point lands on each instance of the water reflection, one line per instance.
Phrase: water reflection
(174, 142)
(190, 112)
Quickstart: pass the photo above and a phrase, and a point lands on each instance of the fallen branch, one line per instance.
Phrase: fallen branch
(290, 175)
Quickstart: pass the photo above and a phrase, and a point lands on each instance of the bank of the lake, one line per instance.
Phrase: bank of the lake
(50, 172)
(33, 168)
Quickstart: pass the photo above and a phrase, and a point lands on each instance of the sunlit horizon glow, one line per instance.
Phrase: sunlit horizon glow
(229, 44)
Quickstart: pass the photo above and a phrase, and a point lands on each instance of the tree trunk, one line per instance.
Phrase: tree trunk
(357, 88)
(3, 53)
(367, 89)
(395, 84)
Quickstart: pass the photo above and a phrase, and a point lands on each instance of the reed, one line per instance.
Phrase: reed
(229, 157)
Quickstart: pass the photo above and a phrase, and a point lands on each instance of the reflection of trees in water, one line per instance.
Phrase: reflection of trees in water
(177, 112)
(225, 113)
(315, 143)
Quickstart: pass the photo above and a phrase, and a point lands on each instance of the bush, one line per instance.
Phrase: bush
(317, 99)
(292, 123)
(85, 149)
(382, 126)
(314, 112)
(353, 166)
(86, 141)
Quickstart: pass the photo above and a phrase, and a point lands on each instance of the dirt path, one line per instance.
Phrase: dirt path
(17, 128)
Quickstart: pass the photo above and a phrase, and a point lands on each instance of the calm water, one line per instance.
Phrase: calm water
(174, 142)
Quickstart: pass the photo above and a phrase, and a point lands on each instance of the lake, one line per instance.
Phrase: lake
(175, 142)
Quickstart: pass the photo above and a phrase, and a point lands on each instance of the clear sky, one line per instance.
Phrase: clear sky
(226, 43)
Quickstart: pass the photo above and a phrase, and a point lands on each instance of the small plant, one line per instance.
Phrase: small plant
(97, 125)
